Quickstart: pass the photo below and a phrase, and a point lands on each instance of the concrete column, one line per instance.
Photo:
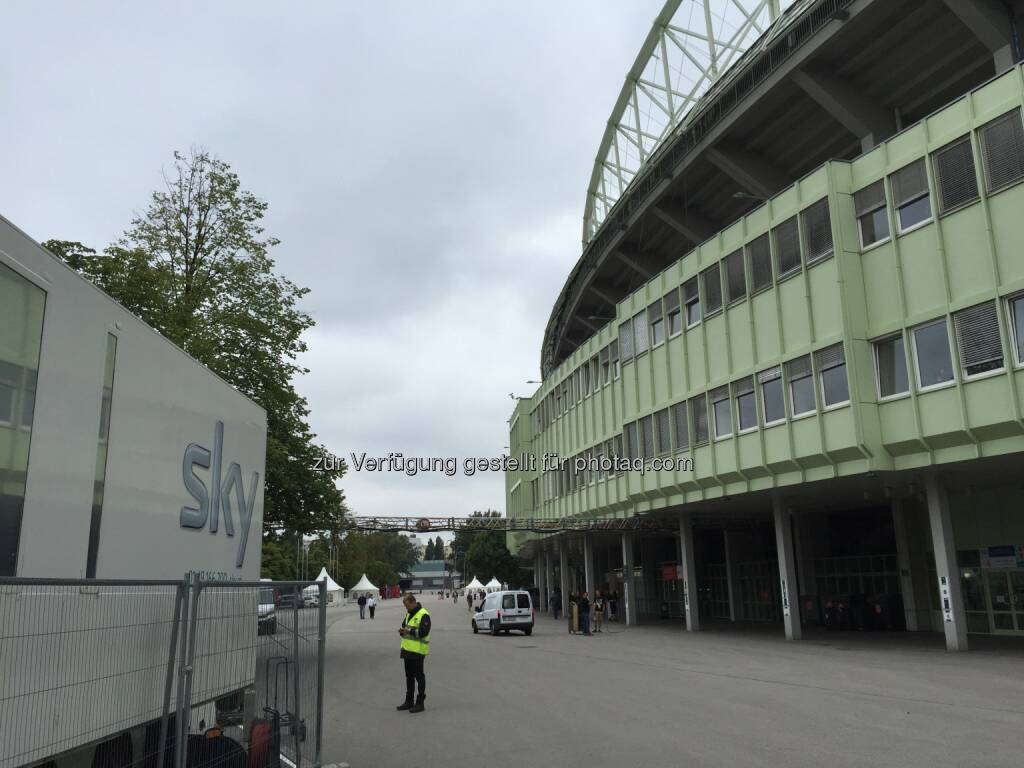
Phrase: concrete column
(689, 569)
(899, 525)
(954, 620)
(542, 588)
(787, 570)
(549, 580)
(731, 577)
(563, 572)
(628, 585)
(588, 564)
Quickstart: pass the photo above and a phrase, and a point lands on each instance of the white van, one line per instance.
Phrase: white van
(505, 611)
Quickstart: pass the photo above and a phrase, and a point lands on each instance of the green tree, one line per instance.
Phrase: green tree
(428, 550)
(383, 557)
(197, 267)
(438, 548)
(486, 553)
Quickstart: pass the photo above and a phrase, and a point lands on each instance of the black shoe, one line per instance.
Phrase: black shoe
(418, 707)
(404, 706)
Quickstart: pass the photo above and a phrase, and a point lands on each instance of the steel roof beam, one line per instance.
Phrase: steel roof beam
(989, 21)
(691, 225)
(866, 120)
(752, 172)
(633, 264)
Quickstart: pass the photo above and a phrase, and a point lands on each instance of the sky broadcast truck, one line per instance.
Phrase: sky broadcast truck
(126, 467)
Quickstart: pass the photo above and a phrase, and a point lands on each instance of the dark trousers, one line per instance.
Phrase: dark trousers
(372, 609)
(362, 611)
(414, 676)
(585, 622)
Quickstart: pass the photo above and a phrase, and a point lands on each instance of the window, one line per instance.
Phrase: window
(787, 248)
(617, 450)
(891, 366)
(817, 231)
(647, 436)
(606, 370)
(656, 319)
(977, 336)
(1017, 322)
(872, 215)
(746, 405)
(626, 340)
(771, 395)
(101, 459)
(759, 258)
(722, 408)
(629, 438)
(910, 195)
(673, 315)
(801, 385)
(735, 279)
(523, 600)
(640, 332)
(585, 370)
(955, 180)
(1002, 150)
(595, 375)
(931, 354)
(508, 602)
(831, 364)
(28, 398)
(691, 302)
(712, 284)
(10, 378)
(661, 422)
(613, 354)
(699, 416)
(680, 426)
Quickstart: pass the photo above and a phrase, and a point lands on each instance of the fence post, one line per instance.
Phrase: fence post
(185, 705)
(180, 729)
(296, 717)
(321, 658)
(169, 679)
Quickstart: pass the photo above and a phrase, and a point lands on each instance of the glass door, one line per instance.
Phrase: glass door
(1006, 598)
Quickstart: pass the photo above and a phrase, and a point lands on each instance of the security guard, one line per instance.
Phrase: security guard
(415, 632)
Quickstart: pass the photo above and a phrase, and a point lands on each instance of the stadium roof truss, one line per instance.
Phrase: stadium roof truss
(690, 46)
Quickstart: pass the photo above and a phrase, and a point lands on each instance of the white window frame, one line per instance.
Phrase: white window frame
(1011, 329)
(954, 364)
(764, 415)
(878, 379)
(821, 389)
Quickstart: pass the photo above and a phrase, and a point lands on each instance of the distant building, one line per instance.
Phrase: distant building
(433, 574)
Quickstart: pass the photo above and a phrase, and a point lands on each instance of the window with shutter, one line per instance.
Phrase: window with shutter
(647, 437)
(673, 314)
(712, 281)
(664, 437)
(613, 354)
(773, 407)
(977, 335)
(910, 195)
(831, 364)
(595, 374)
(722, 407)
(735, 279)
(787, 248)
(626, 340)
(629, 438)
(872, 214)
(1016, 305)
(586, 379)
(931, 354)
(1002, 150)
(680, 426)
(817, 231)
(691, 302)
(759, 259)
(656, 319)
(640, 332)
(746, 406)
(699, 417)
(954, 175)
(606, 371)
(801, 385)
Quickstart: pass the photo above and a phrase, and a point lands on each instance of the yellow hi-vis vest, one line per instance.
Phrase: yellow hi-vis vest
(421, 647)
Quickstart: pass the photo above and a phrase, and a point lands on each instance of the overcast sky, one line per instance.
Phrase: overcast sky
(425, 163)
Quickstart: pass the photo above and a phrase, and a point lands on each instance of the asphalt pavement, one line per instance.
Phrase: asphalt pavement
(658, 696)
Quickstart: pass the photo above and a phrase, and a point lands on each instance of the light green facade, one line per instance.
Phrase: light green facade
(854, 296)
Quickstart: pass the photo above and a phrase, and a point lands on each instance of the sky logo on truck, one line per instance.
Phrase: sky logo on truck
(211, 505)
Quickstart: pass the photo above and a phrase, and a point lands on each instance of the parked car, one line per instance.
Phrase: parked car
(267, 618)
(505, 611)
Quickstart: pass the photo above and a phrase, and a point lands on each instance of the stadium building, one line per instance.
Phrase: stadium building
(802, 270)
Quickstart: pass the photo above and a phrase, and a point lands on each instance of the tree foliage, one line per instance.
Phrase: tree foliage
(487, 555)
(196, 266)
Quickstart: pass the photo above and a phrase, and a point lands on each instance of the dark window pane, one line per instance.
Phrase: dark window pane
(915, 212)
(759, 256)
(723, 418)
(626, 340)
(1017, 305)
(1002, 147)
(834, 386)
(735, 279)
(801, 391)
(640, 332)
(891, 361)
(932, 350)
(787, 247)
(874, 227)
(771, 396)
(746, 408)
(954, 175)
(712, 290)
(680, 426)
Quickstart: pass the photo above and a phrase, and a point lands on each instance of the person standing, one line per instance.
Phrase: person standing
(599, 605)
(371, 603)
(415, 632)
(584, 608)
(361, 602)
(572, 613)
(556, 604)
(469, 601)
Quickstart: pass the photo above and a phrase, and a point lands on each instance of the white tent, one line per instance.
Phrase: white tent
(493, 585)
(334, 592)
(474, 585)
(364, 587)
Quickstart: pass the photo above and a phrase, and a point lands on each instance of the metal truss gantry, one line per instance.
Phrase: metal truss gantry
(508, 525)
(691, 45)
